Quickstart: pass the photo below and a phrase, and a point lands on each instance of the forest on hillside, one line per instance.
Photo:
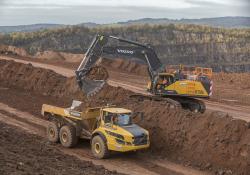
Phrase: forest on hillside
(223, 49)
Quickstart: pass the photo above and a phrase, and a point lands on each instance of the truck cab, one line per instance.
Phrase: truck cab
(121, 133)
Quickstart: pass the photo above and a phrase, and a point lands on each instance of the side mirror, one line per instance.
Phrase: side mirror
(138, 117)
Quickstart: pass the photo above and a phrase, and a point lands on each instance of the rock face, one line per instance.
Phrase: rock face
(223, 49)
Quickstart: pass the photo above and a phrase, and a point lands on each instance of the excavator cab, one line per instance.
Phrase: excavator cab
(164, 80)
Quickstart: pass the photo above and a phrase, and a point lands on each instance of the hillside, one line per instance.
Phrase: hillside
(222, 49)
(28, 28)
(227, 22)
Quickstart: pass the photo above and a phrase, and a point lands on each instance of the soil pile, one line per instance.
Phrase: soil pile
(211, 140)
(59, 56)
(27, 77)
(126, 66)
(12, 50)
(240, 80)
(33, 155)
(98, 73)
(232, 88)
(49, 55)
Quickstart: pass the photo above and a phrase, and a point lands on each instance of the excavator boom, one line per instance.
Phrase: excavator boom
(98, 47)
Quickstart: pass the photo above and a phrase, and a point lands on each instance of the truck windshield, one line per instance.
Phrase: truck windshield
(123, 120)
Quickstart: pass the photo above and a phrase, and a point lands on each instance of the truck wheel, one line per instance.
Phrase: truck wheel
(53, 132)
(99, 148)
(68, 136)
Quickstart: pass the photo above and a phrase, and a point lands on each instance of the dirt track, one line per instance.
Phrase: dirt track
(137, 84)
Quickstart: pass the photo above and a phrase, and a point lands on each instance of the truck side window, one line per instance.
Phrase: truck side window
(107, 117)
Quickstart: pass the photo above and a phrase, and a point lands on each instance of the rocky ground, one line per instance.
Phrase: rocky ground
(22, 153)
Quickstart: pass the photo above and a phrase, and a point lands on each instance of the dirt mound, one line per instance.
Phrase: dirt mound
(98, 73)
(12, 50)
(49, 55)
(241, 80)
(211, 141)
(232, 88)
(27, 77)
(72, 58)
(59, 56)
(126, 66)
(33, 155)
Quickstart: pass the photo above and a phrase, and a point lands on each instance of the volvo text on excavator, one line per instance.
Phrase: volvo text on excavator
(175, 87)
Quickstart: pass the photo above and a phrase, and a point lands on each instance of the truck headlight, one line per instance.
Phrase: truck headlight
(120, 141)
(119, 136)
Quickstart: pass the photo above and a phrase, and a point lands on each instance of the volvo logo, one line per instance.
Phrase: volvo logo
(125, 51)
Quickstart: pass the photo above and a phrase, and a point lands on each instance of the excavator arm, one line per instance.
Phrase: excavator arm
(98, 47)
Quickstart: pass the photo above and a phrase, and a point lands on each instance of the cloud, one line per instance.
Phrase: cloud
(173, 4)
(16, 12)
(219, 2)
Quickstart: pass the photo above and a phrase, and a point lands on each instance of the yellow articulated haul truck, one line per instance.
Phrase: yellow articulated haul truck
(109, 128)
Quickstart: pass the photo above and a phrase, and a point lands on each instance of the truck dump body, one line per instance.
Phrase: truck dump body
(61, 112)
(87, 118)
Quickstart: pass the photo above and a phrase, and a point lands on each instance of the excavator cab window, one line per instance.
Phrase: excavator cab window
(166, 79)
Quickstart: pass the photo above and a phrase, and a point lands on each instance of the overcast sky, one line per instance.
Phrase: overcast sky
(17, 12)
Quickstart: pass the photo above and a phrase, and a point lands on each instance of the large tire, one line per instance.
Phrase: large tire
(99, 148)
(53, 132)
(68, 136)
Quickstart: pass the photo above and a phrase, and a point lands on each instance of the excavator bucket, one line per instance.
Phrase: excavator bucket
(93, 81)
(91, 87)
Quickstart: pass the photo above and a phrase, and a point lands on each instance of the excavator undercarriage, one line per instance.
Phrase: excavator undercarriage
(192, 104)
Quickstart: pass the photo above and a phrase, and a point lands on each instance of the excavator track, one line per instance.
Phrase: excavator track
(173, 103)
(191, 104)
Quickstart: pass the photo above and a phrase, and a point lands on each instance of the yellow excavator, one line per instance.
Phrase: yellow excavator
(177, 87)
